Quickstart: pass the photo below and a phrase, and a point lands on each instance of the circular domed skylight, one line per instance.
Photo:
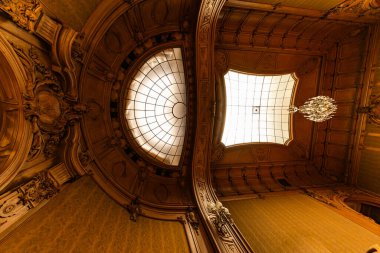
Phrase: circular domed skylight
(156, 106)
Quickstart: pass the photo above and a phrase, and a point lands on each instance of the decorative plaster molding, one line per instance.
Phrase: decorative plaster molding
(45, 105)
(230, 239)
(220, 216)
(356, 7)
(25, 13)
(16, 203)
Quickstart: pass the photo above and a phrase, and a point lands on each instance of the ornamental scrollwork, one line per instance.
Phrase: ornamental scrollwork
(45, 105)
(220, 217)
(25, 13)
(356, 7)
(40, 188)
(16, 203)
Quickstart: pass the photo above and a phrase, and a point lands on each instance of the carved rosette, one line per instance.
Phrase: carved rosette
(134, 209)
(191, 217)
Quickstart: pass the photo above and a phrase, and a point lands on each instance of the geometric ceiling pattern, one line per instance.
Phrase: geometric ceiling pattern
(156, 106)
(257, 108)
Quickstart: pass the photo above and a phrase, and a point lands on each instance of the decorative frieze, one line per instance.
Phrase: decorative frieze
(16, 203)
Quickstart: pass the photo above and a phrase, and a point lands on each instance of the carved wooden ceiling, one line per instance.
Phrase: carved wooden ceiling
(320, 5)
(324, 43)
(329, 45)
(247, 28)
(125, 42)
(327, 55)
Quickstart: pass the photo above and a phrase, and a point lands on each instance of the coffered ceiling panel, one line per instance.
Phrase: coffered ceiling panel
(264, 29)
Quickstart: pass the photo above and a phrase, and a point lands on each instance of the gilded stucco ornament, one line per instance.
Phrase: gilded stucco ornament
(220, 216)
(17, 202)
(41, 187)
(25, 13)
(356, 7)
(45, 105)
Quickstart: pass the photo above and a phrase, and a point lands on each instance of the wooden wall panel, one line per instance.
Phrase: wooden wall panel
(369, 166)
(297, 223)
(82, 218)
(342, 79)
(369, 173)
(241, 27)
(265, 177)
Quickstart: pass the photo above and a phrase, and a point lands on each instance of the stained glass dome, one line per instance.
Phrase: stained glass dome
(156, 106)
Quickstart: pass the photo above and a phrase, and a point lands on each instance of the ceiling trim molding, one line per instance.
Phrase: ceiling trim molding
(15, 131)
(225, 235)
(364, 14)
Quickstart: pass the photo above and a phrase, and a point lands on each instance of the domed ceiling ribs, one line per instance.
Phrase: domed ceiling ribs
(15, 132)
(116, 51)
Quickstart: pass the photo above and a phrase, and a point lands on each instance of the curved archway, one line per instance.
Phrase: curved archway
(15, 133)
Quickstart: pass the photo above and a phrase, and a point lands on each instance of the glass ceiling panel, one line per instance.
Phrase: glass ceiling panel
(156, 106)
(257, 108)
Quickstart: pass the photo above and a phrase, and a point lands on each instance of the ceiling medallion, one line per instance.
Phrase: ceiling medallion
(317, 109)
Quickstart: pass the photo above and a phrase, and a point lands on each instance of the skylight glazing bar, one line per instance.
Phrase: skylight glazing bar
(257, 108)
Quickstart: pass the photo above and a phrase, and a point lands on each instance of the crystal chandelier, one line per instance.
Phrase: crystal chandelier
(317, 109)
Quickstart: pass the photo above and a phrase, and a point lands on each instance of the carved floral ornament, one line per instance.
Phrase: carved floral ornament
(25, 13)
(16, 203)
(41, 187)
(220, 217)
(45, 105)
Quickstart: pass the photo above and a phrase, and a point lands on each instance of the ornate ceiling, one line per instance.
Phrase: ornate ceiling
(73, 106)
